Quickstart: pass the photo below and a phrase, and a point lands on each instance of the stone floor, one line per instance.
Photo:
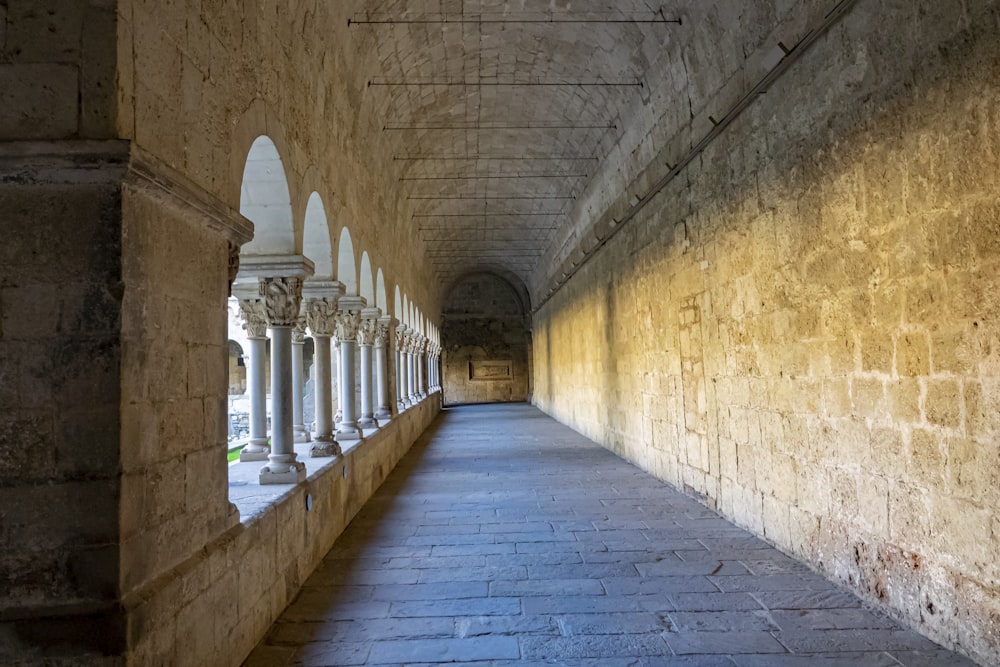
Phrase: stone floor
(505, 538)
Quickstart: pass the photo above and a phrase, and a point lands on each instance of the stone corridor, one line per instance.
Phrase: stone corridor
(504, 537)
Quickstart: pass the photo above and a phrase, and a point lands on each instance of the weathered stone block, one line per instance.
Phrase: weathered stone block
(943, 403)
(38, 101)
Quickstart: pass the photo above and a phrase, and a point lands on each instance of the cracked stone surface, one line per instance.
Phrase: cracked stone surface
(506, 538)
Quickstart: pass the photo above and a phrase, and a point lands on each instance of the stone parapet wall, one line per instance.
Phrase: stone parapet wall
(802, 329)
(213, 608)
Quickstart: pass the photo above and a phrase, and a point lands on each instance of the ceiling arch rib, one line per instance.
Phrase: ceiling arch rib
(496, 114)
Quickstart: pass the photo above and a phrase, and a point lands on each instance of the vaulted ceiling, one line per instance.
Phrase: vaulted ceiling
(498, 113)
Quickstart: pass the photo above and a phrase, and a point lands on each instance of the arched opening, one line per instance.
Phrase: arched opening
(347, 271)
(316, 238)
(265, 201)
(486, 342)
(367, 284)
(381, 301)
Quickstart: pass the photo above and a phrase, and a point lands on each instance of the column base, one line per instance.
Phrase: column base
(325, 449)
(349, 432)
(254, 453)
(383, 415)
(367, 423)
(295, 474)
(301, 434)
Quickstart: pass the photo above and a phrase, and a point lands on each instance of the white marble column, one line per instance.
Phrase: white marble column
(432, 366)
(348, 322)
(366, 340)
(400, 355)
(422, 363)
(320, 314)
(411, 368)
(437, 366)
(301, 433)
(255, 324)
(282, 301)
(383, 334)
(336, 381)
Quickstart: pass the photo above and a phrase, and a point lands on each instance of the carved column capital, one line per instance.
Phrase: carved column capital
(381, 334)
(282, 300)
(299, 330)
(366, 331)
(254, 317)
(347, 324)
(321, 316)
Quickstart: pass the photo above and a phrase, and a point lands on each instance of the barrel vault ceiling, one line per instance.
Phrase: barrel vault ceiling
(497, 114)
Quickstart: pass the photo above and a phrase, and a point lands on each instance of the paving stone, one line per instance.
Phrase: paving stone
(444, 650)
(714, 601)
(614, 624)
(637, 585)
(435, 591)
(531, 587)
(601, 646)
(830, 619)
(330, 654)
(819, 641)
(484, 574)
(561, 554)
(931, 658)
(526, 624)
(699, 567)
(723, 621)
(844, 659)
(471, 607)
(773, 582)
(723, 642)
(586, 604)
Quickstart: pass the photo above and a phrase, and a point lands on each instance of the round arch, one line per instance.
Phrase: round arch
(316, 238)
(366, 288)
(265, 201)
(347, 271)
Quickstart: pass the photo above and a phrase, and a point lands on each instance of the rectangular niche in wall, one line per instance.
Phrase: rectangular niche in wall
(490, 369)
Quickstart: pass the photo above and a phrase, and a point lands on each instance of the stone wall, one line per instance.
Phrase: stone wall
(212, 608)
(802, 329)
(485, 342)
(58, 62)
(60, 352)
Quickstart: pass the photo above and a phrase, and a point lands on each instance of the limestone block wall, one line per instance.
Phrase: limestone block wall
(803, 328)
(57, 69)
(60, 351)
(484, 327)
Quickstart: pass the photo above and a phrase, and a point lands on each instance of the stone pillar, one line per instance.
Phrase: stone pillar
(336, 381)
(282, 301)
(430, 367)
(321, 315)
(422, 364)
(383, 334)
(437, 366)
(301, 433)
(347, 324)
(366, 339)
(255, 324)
(411, 368)
(400, 340)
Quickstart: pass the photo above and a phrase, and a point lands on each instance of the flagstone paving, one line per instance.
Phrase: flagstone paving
(505, 538)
